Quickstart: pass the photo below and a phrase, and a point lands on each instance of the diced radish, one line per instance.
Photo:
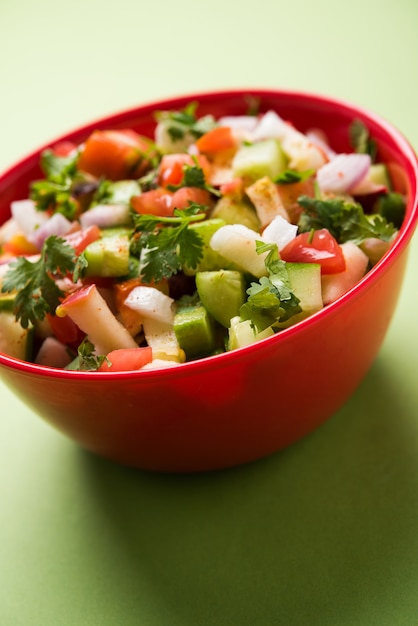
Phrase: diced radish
(335, 285)
(151, 303)
(89, 310)
(280, 231)
(236, 243)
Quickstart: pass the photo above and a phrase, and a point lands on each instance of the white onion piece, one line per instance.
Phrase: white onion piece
(151, 303)
(105, 216)
(53, 353)
(280, 231)
(318, 137)
(367, 187)
(27, 217)
(302, 153)
(242, 126)
(343, 173)
(8, 230)
(57, 225)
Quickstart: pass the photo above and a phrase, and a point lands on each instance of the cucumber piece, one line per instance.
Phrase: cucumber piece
(305, 282)
(195, 331)
(263, 158)
(222, 293)
(15, 341)
(210, 260)
(242, 333)
(108, 256)
(378, 173)
(234, 211)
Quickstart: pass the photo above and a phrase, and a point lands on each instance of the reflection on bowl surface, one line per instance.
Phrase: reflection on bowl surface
(241, 405)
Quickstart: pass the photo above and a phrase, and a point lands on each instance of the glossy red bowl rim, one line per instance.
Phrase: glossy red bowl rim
(172, 103)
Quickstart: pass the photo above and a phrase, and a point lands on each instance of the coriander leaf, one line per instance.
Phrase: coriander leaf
(166, 244)
(392, 207)
(87, 359)
(185, 122)
(345, 220)
(37, 290)
(293, 176)
(194, 176)
(360, 139)
(271, 300)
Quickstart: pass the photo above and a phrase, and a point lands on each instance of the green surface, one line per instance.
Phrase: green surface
(324, 533)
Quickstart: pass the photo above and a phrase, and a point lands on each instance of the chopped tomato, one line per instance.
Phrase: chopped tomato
(65, 330)
(171, 168)
(154, 202)
(127, 359)
(63, 148)
(318, 246)
(216, 140)
(116, 154)
(184, 196)
(18, 245)
(80, 239)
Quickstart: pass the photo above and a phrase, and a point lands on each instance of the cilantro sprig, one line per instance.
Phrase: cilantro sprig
(166, 244)
(288, 176)
(271, 300)
(87, 359)
(345, 220)
(194, 176)
(56, 190)
(360, 139)
(34, 282)
(183, 122)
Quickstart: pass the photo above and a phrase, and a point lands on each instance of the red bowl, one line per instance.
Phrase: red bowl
(239, 406)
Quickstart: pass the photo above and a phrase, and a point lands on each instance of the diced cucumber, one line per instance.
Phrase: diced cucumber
(242, 333)
(194, 329)
(15, 340)
(211, 260)
(305, 283)
(378, 174)
(108, 256)
(263, 158)
(222, 293)
(234, 211)
(6, 302)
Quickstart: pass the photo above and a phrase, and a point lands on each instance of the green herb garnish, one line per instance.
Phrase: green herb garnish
(166, 244)
(345, 220)
(35, 282)
(271, 300)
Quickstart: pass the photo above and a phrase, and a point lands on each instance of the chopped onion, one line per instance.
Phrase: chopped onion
(280, 232)
(343, 173)
(57, 225)
(28, 218)
(105, 215)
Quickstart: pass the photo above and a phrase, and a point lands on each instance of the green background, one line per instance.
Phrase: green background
(324, 533)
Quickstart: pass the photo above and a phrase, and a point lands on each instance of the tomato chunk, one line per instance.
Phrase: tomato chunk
(127, 359)
(80, 239)
(171, 168)
(116, 154)
(216, 140)
(318, 246)
(154, 202)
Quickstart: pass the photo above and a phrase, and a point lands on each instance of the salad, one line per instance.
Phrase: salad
(137, 252)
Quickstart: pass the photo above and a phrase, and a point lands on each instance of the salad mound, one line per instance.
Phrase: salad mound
(135, 252)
